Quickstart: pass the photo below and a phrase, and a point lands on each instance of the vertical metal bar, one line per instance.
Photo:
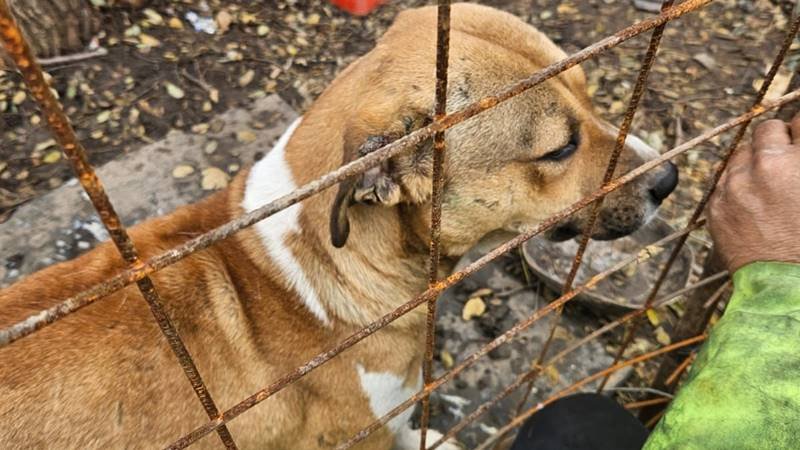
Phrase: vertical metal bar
(776, 64)
(619, 146)
(20, 52)
(442, 59)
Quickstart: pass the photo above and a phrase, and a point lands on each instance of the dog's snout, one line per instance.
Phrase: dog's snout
(665, 184)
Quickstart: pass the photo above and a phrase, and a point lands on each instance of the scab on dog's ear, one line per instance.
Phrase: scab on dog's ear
(372, 187)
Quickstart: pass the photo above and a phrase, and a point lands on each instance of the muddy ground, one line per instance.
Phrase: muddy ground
(161, 74)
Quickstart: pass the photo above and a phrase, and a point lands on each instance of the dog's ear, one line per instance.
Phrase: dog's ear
(371, 187)
(380, 185)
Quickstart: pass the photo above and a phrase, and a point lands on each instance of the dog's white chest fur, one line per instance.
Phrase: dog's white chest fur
(386, 390)
(269, 179)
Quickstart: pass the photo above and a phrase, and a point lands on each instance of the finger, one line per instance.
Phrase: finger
(770, 134)
(795, 127)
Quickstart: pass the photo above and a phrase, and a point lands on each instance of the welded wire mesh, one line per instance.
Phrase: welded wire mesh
(138, 270)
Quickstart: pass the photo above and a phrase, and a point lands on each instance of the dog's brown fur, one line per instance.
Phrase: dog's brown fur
(104, 377)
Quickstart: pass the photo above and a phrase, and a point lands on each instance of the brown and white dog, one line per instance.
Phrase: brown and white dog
(259, 304)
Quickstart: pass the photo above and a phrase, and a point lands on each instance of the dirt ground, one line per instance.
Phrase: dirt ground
(161, 74)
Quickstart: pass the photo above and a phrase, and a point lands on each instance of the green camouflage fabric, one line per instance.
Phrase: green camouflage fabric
(743, 391)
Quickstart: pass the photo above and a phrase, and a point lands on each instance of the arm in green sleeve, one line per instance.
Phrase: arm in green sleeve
(743, 391)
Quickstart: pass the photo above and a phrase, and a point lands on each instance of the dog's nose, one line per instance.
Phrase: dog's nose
(665, 184)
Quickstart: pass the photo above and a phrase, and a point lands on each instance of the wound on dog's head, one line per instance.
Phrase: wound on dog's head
(374, 186)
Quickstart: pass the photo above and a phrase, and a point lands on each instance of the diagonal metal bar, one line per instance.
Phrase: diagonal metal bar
(20, 53)
(791, 33)
(442, 59)
(518, 420)
(644, 254)
(129, 276)
(619, 145)
(470, 269)
(525, 377)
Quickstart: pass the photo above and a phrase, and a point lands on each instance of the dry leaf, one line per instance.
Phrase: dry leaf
(662, 337)
(245, 136)
(447, 359)
(52, 157)
(313, 19)
(103, 116)
(213, 179)
(175, 23)
(44, 145)
(152, 16)
(149, 41)
(262, 30)
(247, 78)
(174, 91)
(224, 20)
(213, 94)
(552, 374)
(19, 97)
(247, 18)
(653, 317)
(475, 307)
(182, 171)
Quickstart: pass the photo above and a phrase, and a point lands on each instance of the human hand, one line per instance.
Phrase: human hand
(754, 215)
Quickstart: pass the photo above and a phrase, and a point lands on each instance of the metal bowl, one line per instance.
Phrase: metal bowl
(624, 290)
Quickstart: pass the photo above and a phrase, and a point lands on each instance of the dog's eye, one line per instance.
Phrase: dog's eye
(562, 153)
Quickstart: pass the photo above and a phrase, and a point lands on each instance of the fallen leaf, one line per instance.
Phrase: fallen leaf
(133, 31)
(182, 171)
(224, 20)
(483, 292)
(291, 50)
(103, 116)
(19, 97)
(52, 157)
(210, 147)
(247, 18)
(706, 61)
(652, 316)
(262, 30)
(44, 145)
(175, 23)
(662, 337)
(247, 78)
(313, 19)
(552, 374)
(152, 16)
(149, 41)
(213, 94)
(566, 8)
(174, 91)
(214, 178)
(475, 307)
(245, 136)
(447, 359)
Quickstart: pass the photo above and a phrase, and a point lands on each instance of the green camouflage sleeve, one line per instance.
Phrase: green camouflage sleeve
(743, 391)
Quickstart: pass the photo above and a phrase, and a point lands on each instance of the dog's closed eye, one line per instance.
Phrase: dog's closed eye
(562, 153)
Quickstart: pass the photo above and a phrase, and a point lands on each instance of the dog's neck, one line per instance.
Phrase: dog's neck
(382, 266)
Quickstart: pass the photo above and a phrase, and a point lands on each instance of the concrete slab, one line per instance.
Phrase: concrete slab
(62, 224)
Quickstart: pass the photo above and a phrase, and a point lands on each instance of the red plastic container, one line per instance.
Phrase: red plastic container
(357, 7)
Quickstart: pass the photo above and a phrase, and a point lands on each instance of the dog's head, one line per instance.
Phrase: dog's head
(508, 168)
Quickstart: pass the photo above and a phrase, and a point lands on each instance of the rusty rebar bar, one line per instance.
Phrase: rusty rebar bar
(129, 276)
(517, 421)
(20, 53)
(644, 254)
(524, 377)
(437, 180)
(619, 145)
(762, 92)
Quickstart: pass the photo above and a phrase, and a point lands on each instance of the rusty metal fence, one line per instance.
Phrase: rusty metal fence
(138, 270)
